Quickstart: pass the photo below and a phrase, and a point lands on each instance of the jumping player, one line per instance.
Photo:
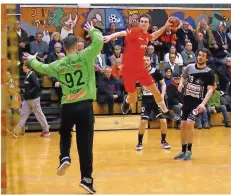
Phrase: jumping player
(148, 104)
(199, 88)
(136, 41)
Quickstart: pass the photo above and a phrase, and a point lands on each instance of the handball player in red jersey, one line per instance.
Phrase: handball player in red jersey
(136, 41)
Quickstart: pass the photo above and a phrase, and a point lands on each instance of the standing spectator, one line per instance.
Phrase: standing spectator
(31, 103)
(188, 55)
(184, 35)
(40, 47)
(55, 38)
(203, 27)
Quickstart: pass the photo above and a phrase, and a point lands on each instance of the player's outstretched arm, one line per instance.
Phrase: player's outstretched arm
(114, 35)
(156, 34)
(48, 69)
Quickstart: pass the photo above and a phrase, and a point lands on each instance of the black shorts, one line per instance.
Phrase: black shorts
(187, 110)
(149, 109)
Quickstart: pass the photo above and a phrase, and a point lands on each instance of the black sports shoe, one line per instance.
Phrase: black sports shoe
(125, 107)
(87, 184)
(65, 162)
(168, 115)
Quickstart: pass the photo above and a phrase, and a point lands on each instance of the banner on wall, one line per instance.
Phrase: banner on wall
(71, 19)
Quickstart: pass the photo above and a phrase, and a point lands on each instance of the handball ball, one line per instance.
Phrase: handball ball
(175, 22)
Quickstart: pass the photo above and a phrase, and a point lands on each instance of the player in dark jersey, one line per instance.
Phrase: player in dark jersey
(199, 86)
(148, 105)
(136, 41)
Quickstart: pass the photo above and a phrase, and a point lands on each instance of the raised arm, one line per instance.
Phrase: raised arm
(115, 35)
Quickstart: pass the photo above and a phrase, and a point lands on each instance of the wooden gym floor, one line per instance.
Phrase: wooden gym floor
(118, 168)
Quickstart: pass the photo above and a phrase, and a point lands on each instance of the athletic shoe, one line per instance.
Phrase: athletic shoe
(179, 156)
(64, 164)
(139, 147)
(14, 134)
(165, 145)
(188, 155)
(125, 107)
(44, 134)
(87, 184)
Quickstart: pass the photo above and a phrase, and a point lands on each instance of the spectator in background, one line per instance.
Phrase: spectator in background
(168, 38)
(55, 38)
(22, 39)
(200, 41)
(178, 60)
(214, 107)
(203, 27)
(174, 97)
(100, 65)
(168, 76)
(57, 54)
(117, 69)
(172, 64)
(221, 38)
(117, 56)
(40, 47)
(157, 42)
(188, 55)
(152, 55)
(80, 46)
(109, 91)
(184, 34)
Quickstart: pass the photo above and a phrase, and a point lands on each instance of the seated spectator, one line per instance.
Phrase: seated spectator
(22, 39)
(174, 97)
(200, 41)
(153, 56)
(100, 65)
(214, 107)
(40, 47)
(109, 90)
(157, 42)
(55, 38)
(202, 120)
(108, 48)
(80, 46)
(224, 75)
(168, 38)
(204, 28)
(188, 55)
(117, 55)
(184, 34)
(57, 54)
(178, 60)
(221, 38)
(117, 69)
(168, 76)
(172, 64)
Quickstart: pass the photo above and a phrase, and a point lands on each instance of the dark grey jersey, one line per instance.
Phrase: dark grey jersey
(197, 82)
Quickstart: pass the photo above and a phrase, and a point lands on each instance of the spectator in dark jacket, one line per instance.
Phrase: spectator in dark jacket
(110, 90)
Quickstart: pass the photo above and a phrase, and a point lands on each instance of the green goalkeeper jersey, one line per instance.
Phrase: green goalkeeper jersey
(75, 72)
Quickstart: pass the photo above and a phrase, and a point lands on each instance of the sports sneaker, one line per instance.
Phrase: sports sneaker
(87, 184)
(165, 145)
(125, 107)
(44, 134)
(179, 156)
(188, 155)
(139, 147)
(64, 164)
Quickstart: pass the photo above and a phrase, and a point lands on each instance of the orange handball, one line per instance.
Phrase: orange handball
(175, 21)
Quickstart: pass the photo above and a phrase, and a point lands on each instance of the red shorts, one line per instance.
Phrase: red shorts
(130, 77)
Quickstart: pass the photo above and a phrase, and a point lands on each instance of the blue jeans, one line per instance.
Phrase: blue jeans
(177, 110)
(222, 109)
(202, 117)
